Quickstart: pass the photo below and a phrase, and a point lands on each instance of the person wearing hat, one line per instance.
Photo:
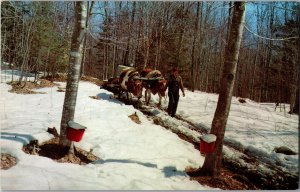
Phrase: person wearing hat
(174, 84)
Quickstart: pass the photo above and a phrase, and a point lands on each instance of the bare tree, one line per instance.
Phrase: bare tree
(88, 14)
(196, 31)
(74, 71)
(213, 161)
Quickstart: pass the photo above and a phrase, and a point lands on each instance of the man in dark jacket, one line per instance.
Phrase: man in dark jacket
(173, 85)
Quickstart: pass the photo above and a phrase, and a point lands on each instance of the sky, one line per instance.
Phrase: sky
(133, 156)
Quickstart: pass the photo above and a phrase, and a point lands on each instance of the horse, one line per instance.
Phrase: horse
(154, 83)
(130, 83)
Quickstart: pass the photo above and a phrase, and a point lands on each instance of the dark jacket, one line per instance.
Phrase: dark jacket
(174, 84)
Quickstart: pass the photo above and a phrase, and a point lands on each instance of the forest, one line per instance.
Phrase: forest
(190, 35)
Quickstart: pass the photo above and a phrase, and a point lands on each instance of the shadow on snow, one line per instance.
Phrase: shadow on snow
(23, 138)
(169, 171)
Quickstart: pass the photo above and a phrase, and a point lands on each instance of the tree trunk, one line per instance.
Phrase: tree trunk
(252, 86)
(149, 36)
(157, 47)
(198, 64)
(133, 41)
(229, 20)
(106, 52)
(196, 31)
(212, 163)
(26, 52)
(88, 13)
(181, 35)
(115, 34)
(74, 71)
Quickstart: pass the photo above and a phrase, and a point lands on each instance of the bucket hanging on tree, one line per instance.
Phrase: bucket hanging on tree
(207, 143)
(75, 131)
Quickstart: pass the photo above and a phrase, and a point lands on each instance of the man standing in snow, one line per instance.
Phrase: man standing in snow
(173, 85)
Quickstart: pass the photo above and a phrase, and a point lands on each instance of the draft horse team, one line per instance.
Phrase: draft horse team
(133, 82)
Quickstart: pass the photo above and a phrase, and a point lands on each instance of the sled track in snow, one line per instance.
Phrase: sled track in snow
(254, 168)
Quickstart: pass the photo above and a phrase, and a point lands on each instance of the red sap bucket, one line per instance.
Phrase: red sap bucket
(75, 131)
(207, 143)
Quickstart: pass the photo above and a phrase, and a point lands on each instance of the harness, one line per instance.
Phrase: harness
(128, 76)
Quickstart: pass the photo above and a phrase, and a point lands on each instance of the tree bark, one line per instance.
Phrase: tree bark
(196, 31)
(148, 38)
(181, 35)
(198, 78)
(26, 52)
(74, 71)
(252, 94)
(89, 13)
(212, 163)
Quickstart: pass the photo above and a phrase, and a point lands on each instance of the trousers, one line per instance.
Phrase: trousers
(173, 102)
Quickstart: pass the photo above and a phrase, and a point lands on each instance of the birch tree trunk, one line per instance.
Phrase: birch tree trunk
(74, 71)
(88, 14)
(212, 163)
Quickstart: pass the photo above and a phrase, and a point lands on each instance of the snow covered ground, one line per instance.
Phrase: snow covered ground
(251, 126)
(133, 156)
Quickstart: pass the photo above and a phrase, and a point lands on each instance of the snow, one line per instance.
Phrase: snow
(133, 156)
(255, 128)
(252, 126)
(209, 138)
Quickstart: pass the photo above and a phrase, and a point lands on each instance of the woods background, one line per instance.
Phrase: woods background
(36, 36)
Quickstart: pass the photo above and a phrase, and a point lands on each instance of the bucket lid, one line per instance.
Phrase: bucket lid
(209, 138)
(75, 125)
